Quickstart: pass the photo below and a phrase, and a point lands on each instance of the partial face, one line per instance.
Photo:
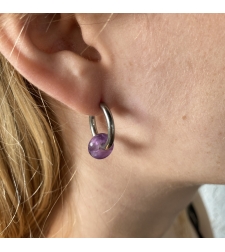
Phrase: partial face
(164, 78)
(168, 73)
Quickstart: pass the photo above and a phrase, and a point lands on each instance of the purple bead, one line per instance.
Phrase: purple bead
(95, 144)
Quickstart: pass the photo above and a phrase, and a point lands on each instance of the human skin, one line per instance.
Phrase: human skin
(162, 76)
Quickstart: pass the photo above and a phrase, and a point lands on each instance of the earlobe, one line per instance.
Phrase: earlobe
(50, 54)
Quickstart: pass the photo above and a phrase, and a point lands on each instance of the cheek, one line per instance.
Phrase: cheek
(192, 140)
(189, 100)
(176, 93)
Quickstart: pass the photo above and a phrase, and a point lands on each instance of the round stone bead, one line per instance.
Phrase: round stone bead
(94, 146)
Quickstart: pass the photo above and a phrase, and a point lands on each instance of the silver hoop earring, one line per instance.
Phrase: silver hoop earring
(101, 145)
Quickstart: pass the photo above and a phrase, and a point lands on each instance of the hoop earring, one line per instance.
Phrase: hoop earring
(101, 145)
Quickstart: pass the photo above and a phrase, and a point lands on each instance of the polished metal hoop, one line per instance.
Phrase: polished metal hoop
(110, 126)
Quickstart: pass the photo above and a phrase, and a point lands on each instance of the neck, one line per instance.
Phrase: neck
(114, 197)
(123, 206)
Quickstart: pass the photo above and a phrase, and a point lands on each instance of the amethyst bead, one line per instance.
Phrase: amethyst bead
(94, 146)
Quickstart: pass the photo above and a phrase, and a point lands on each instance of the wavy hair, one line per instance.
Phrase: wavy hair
(29, 157)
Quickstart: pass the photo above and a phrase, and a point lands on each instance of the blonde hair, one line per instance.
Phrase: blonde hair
(29, 157)
(31, 170)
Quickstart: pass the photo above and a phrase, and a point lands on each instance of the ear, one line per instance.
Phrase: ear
(50, 52)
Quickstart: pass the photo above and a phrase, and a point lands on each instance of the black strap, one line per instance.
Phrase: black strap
(194, 219)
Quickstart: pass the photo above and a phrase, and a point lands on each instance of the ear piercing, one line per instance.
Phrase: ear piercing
(101, 145)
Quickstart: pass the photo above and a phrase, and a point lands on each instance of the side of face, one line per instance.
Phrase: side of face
(167, 72)
(161, 74)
